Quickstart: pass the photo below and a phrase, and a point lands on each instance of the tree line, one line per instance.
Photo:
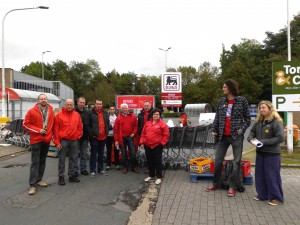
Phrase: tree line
(249, 63)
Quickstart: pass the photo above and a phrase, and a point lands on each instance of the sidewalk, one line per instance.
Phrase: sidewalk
(9, 151)
(182, 202)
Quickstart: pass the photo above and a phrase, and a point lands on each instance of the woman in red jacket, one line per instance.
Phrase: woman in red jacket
(155, 136)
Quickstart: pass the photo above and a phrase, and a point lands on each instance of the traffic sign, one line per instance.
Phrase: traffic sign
(286, 86)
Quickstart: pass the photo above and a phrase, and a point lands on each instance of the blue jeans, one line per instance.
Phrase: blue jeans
(97, 152)
(82, 149)
(128, 142)
(39, 153)
(268, 182)
(72, 148)
(222, 147)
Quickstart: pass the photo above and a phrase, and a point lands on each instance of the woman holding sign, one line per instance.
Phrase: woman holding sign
(267, 134)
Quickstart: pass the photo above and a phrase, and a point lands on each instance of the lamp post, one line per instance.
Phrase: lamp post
(3, 65)
(43, 63)
(166, 52)
(289, 114)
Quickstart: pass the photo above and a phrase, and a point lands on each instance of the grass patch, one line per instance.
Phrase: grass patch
(293, 158)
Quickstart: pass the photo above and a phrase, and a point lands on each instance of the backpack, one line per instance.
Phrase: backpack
(225, 178)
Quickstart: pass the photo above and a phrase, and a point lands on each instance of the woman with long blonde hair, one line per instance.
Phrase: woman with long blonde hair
(272, 114)
(267, 134)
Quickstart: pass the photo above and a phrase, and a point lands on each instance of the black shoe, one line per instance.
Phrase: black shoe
(135, 170)
(76, 174)
(84, 172)
(74, 179)
(61, 181)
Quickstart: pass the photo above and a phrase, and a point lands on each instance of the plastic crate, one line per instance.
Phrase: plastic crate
(248, 180)
(200, 165)
(246, 167)
(195, 177)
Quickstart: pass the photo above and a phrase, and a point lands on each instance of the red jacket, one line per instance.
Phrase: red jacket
(68, 126)
(125, 126)
(33, 123)
(155, 134)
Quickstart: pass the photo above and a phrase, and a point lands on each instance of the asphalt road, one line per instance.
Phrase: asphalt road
(101, 200)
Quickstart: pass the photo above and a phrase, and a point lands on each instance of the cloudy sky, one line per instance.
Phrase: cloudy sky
(126, 34)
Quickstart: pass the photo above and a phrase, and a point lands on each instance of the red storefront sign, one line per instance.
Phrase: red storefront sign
(134, 101)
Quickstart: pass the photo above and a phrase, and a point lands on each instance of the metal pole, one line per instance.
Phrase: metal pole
(289, 114)
(166, 60)
(166, 52)
(3, 64)
(43, 65)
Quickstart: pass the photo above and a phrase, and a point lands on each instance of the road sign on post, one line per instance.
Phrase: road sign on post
(286, 86)
(286, 93)
(171, 89)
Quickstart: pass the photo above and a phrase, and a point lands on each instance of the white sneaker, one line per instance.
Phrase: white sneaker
(148, 179)
(93, 174)
(103, 173)
(42, 183)
(158, 181)
(32, 191)
(118, 167)
(107, 167)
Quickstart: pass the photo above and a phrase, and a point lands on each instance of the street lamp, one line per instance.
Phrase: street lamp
(166, 51)
(43, 63)
(3, 66)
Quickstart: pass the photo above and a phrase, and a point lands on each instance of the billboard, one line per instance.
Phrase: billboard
(171, 89)
(134, 101)
(286, 86)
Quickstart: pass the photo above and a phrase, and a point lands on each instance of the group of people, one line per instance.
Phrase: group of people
(231, 121)
(73, 128)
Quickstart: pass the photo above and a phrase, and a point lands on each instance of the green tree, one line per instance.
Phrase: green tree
(247, 86)
(208, 83)
(33, 69)
(60, 71)
(126, 84)
(189, 75)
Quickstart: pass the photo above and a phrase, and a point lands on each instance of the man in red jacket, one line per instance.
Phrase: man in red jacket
(39, 123)
(124, 130)
(67, 131)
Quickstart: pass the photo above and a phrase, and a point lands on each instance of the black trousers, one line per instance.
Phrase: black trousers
(154, 160)
(109, 144)
(39, 153)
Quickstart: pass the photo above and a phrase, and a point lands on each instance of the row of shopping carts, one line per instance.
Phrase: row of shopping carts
(186, 143)
(17, 135)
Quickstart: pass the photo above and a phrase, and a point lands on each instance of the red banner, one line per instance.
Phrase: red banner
(134, 101)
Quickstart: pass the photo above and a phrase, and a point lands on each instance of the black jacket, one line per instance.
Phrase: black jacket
(141, 120)
(94, 123)
(85, 122)
(270, 133)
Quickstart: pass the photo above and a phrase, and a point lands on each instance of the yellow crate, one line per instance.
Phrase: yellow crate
(200, 165)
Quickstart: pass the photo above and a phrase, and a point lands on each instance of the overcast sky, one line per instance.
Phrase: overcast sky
(126, 34)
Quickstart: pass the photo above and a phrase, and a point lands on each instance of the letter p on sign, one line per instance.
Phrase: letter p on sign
(280, 100)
